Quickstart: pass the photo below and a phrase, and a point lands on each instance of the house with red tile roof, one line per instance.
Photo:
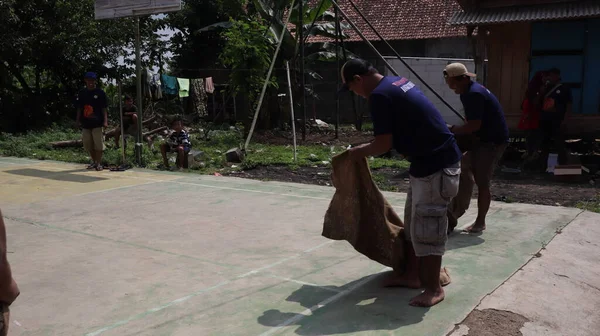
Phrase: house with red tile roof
(417, 28)
(414, 28)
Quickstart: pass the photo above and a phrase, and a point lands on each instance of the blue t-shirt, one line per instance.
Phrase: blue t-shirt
(92, 104)
(399, 108)
(481, 104)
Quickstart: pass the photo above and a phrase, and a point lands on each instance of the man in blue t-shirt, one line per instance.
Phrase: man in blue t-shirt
(486, 126)
(92, 115)
(406, 120)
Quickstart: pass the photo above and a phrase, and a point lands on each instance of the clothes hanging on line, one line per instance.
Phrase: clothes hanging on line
(146, 85)
(169, 85)
(156, 87)
(184, 87)
(209, 86)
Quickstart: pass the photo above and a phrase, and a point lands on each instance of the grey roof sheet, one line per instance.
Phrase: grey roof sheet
(557, 11)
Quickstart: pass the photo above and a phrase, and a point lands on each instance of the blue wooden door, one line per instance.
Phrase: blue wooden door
(591, 84)
(561, 44)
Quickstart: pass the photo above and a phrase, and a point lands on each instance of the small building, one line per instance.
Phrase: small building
(416, 29)
(519, 38)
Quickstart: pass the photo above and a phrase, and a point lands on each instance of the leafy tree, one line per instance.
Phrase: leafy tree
(317, 20)
(191, 48)
(247, 53)
(46, 46)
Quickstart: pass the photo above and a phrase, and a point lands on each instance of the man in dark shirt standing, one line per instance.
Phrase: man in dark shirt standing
(487, 127)
(556, 104)
(406, 120)
(92, 115)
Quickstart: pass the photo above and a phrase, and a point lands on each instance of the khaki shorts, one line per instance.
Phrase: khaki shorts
(425, 220)
(93, 139)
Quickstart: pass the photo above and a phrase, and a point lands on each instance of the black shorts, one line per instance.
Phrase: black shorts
(174, 149)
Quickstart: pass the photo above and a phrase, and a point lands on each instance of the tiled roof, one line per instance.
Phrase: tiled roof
(569, 10)
(402, 19)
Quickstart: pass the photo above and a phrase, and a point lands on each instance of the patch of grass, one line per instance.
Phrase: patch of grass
(36, 145)
(382, 182)
(592, 205)
(377, 163)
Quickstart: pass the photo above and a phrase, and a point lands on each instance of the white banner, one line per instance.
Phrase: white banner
(112, 9)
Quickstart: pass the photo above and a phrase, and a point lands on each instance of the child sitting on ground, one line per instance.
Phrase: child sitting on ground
(130, 119)
(178, 142)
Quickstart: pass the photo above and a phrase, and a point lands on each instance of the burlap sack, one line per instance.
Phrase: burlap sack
(360, 214)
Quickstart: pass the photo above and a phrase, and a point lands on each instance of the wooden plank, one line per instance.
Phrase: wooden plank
(506, 75)
(520, 67)
(494, 53)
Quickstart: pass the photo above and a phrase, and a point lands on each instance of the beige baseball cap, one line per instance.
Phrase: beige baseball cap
(456, 70)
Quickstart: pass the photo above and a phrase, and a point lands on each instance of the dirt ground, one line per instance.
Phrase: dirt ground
(524, 187)
(492, 322)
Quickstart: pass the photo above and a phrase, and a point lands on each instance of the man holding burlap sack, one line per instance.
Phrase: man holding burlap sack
(404, 119)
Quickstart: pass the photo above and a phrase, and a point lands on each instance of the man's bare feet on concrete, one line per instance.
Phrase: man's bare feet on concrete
(405, 280)
(478, 227)
(428, 298)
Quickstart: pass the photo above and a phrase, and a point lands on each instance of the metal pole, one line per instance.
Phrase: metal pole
(403, 62)
(287, 67)
(338, 71)
(140, 98)
(235, 109)
(122, 125)
(343, 46)
(303, 79)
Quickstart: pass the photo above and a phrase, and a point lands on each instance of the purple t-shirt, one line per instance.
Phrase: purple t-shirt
(399, 108)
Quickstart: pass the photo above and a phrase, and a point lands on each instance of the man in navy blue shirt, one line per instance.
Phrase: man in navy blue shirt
(406, 120)
(487, 128)
(92, 116)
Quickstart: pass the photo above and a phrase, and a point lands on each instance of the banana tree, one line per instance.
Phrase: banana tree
(317, 20)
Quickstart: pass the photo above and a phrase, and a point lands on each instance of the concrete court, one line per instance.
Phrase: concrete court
(149, 253)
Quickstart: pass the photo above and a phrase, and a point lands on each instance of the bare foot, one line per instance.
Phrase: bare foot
(475, 228)
(405, 280)
(428, 298)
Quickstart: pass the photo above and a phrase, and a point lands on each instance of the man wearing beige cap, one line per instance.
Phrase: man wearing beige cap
(486, 127)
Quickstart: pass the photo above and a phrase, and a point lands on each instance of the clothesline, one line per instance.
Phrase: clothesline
(155, 85)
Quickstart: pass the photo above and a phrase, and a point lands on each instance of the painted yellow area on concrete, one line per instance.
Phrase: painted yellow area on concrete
(26, 183)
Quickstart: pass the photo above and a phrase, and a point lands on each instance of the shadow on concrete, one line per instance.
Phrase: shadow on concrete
(458, 240)
(368, 308)
(65, 176)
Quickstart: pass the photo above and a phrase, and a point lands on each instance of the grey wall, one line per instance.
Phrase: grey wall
(422, 51)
